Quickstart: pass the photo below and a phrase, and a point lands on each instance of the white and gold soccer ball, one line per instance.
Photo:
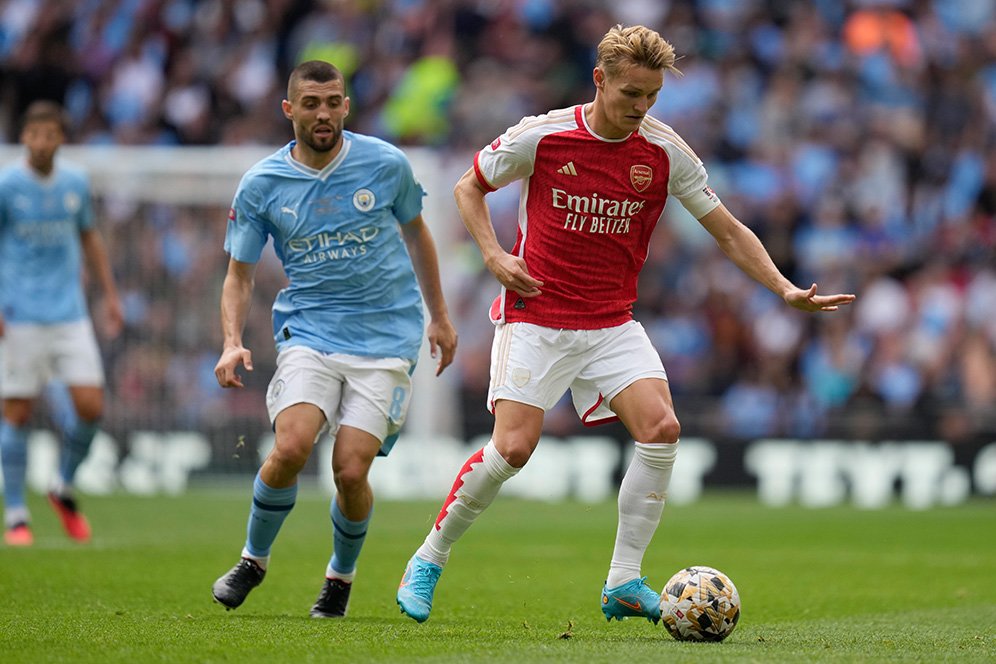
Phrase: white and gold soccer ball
(700, 604)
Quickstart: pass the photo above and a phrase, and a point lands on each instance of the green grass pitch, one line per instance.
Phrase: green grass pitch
(830, 585)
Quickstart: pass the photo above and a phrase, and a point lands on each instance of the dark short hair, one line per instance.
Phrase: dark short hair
(312, 70)
(45, 110)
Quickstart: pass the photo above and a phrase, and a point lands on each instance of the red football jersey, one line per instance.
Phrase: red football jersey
(587, 209)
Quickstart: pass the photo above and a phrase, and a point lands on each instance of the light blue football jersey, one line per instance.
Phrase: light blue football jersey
(337, 232)
(40, 252)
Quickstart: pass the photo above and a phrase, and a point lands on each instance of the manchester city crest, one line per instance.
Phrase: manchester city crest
(363, 200)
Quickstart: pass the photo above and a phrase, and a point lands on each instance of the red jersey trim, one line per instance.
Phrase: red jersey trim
(480, 176)
(598, 423)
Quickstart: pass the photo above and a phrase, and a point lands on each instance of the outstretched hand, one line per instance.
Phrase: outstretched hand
(230, 359)
(808, 300)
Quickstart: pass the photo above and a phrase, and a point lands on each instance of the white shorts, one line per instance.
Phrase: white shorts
(535, 365)
(369, 393)
(33, 355)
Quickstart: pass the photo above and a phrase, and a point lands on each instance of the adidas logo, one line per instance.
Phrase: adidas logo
(567, 169)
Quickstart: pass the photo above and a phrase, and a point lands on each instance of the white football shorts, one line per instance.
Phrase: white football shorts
(535, 365)
(369, 393)
(34, 355)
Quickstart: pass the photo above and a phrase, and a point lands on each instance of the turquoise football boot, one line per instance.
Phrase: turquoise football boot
(417, 587)
(633, 598)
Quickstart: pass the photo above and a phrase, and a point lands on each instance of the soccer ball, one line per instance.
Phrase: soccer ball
(700, 604)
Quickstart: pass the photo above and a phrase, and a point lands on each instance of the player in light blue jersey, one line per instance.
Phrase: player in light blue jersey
(345, 214)
(46, 230)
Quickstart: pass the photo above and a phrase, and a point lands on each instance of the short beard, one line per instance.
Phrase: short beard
(42, 163)
(309, 140)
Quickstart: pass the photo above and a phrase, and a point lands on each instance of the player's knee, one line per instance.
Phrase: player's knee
(90, 413)
(665, 430)
(17, 419)
(350, 476)
(289, 461)
(88, 402)
(17, 412)
(515, 452)
(291, 453)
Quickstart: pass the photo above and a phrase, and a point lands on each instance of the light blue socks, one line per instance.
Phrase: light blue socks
(347, 540)
(14, 458)
(269, 509)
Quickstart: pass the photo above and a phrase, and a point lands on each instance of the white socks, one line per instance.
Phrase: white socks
(59, 488)
(641, 501)
(332, 574)
(262, 561)
(16, 515)
(476, 485)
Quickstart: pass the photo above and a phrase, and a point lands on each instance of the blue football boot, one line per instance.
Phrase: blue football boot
(633, 598)
(416, 588)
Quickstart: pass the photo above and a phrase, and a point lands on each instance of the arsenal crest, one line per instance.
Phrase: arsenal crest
(641, 176)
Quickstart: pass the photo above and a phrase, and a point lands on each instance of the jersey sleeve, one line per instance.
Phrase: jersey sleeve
(246, 234)
(79, 185)
(408, 201)
(689, 183)
(509, 157)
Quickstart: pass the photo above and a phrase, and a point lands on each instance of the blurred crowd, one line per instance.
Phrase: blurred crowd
(857, 139)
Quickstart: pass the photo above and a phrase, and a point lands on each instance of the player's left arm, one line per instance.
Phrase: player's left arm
(744, 248)
(441, 333)
(100, 268)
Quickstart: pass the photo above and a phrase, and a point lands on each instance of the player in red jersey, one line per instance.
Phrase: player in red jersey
(595, 179)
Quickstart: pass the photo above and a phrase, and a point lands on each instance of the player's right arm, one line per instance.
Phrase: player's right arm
(509, 270)
(236, 298)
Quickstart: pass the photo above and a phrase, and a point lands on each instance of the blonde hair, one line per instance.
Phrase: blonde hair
(635, 45)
